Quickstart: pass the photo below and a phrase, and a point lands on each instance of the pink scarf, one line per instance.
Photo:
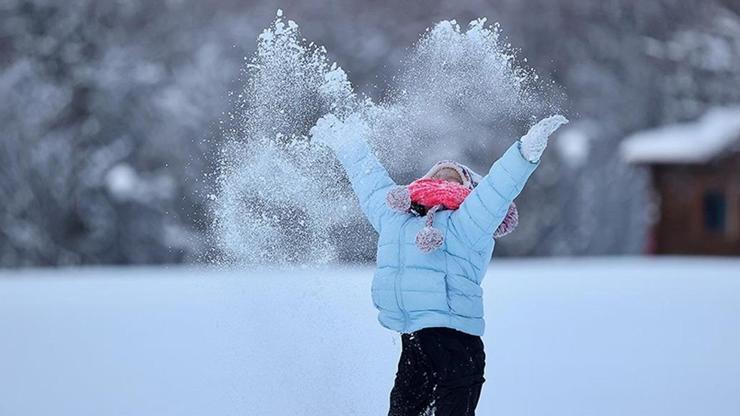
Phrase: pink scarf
(430, 192)
(433, 195)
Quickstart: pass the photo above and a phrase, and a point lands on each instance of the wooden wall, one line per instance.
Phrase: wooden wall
(681, 191)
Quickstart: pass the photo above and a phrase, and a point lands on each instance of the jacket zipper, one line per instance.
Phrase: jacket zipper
(397, 280)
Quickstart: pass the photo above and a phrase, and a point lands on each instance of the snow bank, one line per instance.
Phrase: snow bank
(694, 142)
(607, 337)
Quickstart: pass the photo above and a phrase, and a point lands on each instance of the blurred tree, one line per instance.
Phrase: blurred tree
(108, 106)
(105, 107)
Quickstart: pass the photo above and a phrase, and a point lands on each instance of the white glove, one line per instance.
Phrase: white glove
(535, 141)
(335, 133)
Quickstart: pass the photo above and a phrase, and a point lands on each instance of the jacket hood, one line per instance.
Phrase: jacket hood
(469, 177)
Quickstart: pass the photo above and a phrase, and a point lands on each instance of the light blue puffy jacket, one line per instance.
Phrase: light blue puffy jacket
(412, 289)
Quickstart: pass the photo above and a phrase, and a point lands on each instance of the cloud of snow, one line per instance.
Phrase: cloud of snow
(278, 196)
(461, 93)
(282, 199)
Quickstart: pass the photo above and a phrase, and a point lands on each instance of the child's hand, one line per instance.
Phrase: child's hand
(334, 133)
(534, 142)
(325, 130)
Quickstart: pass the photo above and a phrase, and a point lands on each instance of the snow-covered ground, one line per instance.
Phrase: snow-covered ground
(591, 337)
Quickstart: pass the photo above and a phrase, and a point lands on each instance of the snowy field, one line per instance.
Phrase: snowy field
(592, 337)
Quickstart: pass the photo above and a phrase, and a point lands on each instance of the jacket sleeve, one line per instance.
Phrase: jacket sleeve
(370, 181)
(484, 209)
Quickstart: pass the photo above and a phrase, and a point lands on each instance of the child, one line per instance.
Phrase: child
(435, 243)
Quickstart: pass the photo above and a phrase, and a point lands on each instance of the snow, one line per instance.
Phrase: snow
(457, 88)
(271, 179)
(121, 180)
(622, 336)
(124, 183)
(693, 142)
(573, 144)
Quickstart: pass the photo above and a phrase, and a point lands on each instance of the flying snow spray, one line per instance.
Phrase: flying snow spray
(282, 199)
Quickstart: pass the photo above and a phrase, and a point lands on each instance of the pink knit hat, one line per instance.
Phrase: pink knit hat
(415, 199)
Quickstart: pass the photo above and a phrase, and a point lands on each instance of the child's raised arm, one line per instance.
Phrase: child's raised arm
(368, 177)
(484, 209)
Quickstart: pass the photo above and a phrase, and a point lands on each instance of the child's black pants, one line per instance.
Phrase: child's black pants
(440, 369)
